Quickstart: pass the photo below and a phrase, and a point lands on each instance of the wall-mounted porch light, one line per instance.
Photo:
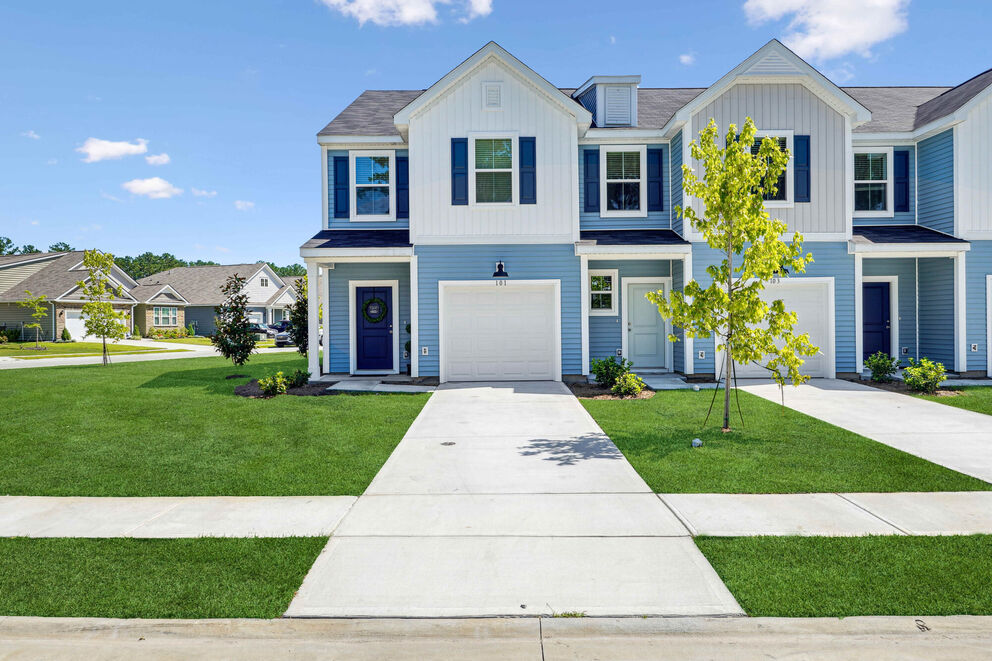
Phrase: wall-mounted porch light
(500, 272)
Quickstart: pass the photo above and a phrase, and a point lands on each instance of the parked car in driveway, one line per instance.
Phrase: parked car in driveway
(278, 327)
(284, 337)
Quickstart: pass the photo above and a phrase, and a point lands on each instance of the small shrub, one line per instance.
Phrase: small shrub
(3, 338)
(628, 385)
(136, 335)
(924, 375)
(273, 385)
(190, 331)
(66, 335)
(12, 334)
(608, 370)
(299, 379)
(882, 366)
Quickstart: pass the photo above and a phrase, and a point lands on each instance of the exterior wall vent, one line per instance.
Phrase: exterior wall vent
(492, 96)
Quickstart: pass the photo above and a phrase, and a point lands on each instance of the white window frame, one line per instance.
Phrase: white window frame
(172, 316)
(263, 282)
(485, 95)
(889, 182)
(614, 292)
(366, 218)
(606, 212)
(514, 176)
(790, 179)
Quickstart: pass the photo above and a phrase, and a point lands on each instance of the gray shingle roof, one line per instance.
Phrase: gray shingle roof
(358, 239)
(200, 285)
(892, 108)
(53, 281)
(13, 259)
(371, 113)
(953, 99)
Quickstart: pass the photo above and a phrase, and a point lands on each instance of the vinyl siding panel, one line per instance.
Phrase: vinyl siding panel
(476, 262)
(605, 331)
(346, 223)
(937, 310)
(654, 219)
(905, 270)
(202, 316)
(936, 182)
(256, 293)
(676, 182)
(978, 264)
(901, 217)
(974, 144)
(792, 106)
(14, 316)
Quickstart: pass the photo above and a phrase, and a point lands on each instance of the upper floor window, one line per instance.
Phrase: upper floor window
(263, 282)
(873, 189)
(373, 183)
(783, 195)
(167, 316)
(494, 163)
(622, 189)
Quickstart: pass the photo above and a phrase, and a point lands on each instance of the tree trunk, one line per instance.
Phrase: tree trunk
(106, 356)
(37, 338)
(728, 354)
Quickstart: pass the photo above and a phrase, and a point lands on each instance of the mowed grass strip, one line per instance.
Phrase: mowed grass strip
(56, 349)
(176, 428)
(848, 576)
(972, 398)
(153, 578)
(776, 450)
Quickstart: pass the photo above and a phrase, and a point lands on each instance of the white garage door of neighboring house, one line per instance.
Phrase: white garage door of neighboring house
(74, 322)
(811, 300)
(508, 331)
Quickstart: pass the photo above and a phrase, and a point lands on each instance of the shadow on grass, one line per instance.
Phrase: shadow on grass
(214, 379)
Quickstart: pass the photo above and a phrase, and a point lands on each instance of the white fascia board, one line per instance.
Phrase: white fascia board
(910, 137)
(164, 288)
(600, 136)
(345, 140)
(397, 254)
(907, 249)
(605, 80)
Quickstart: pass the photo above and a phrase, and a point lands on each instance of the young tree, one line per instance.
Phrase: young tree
(99, 292)
(734, 186)
(298, 314)
(233, 337)
(60, 246)
(7, 246)
(36, 304)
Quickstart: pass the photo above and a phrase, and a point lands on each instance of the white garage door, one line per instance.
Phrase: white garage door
(500, 333)
(74, 322)
(811, 303)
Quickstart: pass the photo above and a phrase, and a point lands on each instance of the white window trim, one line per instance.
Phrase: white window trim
(889, 211)
(614, 213)
(263, 282)
(514, 176)
(353, 192)
(157, 317)
(614, 292)
(485, 96)
(790, 179)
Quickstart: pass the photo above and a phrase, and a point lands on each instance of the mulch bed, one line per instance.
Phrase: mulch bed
(593, 391)
(901, 387)
(252, 391)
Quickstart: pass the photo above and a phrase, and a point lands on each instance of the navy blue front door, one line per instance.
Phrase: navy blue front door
(374, 328)
(877, 318)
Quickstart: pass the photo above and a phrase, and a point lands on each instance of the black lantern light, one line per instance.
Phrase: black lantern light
(500, 273)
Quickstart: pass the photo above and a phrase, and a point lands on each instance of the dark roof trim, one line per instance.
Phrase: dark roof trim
(633, 237)
(903, 234)
(359, 239)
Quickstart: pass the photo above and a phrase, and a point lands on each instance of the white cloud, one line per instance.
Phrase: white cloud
(244, 205)
(197, 192)
(31, 134)
(613, 40)
(35, 222)
(91, 228)
(825, 29)
(222, 249)
(108, 196)
(96, 149)
(156, 188)
(406, 12)
(158, 159)
(687, 59)
(52, 161)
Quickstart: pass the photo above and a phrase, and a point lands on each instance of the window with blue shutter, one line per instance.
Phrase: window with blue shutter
(402, 187)
(341, 209)
(900, 180)
(800, 167)
(459, 170)
(528, 171)
(656, 191)
(591, 180)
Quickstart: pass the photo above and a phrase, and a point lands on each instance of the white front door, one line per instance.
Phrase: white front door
(647, 332)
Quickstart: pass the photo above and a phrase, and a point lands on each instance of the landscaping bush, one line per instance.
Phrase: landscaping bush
(190, 331)
(628, 385)
(12, 334)
(299, 379)
(167, 334)
(273, 385)
(924, 375)
(66, 335)
(882, 366)
(608, 370)
(3, 338)
(136, 335)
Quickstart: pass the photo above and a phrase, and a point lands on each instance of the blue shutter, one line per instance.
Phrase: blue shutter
(341, 184)
(800, 167)
(591, 163)
(402, 187)
(656, 192)
(900, 176)
(528, 171)
(459, 170)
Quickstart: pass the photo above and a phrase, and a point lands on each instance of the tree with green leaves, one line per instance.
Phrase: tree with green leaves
(99, 291)
(60, 246)
(233, 337)
(299, 313)
(7, 246)
(29, 249)
(36, 304)
(736, 182)
(289, 271)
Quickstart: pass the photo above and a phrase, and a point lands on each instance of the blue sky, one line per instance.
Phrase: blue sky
(234, 93)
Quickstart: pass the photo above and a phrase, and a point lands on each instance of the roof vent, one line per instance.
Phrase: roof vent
(611, 99)
(618, 106)
(492, 96)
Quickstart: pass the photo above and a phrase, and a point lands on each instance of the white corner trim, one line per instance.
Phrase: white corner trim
(988, 324)
(893, 280)
(614, 274)
(352, 339)
(642, 212)
(414, 317)
(666, 284)
(960, 314)
(689, 359)
(313, 329)
(584, 292)
(859, 322)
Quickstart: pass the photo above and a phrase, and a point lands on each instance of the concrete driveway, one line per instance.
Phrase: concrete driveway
(958, 439)
(507, 499)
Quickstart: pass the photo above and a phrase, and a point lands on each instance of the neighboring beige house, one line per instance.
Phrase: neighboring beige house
(160, 307)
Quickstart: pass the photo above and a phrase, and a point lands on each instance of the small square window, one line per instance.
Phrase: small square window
(602, 292)
(264, 282)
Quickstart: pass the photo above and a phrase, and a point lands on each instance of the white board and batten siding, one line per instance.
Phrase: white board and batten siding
(254, 290)
(779, 106)
(525, 112)
(973, 172)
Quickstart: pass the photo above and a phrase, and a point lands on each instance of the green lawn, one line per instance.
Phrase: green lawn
(176, 428)
(777, 451)
(56, 349)
(973, 398)
(847, 576)
(205, 341)
(153, 578)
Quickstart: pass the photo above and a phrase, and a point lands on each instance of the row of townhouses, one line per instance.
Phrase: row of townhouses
(494, 226)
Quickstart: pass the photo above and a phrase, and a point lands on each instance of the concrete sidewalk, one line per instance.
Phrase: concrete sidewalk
(507, 499)
(508, 639)
(958, 439)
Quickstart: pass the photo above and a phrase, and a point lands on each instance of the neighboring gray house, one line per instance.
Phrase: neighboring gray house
(269, 295)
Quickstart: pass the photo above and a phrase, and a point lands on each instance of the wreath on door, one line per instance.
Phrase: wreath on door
(374, 310)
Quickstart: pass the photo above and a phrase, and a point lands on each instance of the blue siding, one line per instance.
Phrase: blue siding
(978, 264)
(476, 262)
(937, 310)
(676, 171)
(901, 217)
(655, 219)
(905, 270)
(831, 260)
(336, 310)
(345, 223)
(202, 316)
(605, 331)
(936, 181)
(588, 101)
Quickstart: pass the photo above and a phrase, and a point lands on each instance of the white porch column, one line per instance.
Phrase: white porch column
(960, 314)
(324, 297)
(414, 319)
(313, 347)
(584, 289)
(859, 352)
(689, 366)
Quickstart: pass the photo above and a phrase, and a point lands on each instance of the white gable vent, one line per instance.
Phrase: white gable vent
(492, 96)
(618, 110)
